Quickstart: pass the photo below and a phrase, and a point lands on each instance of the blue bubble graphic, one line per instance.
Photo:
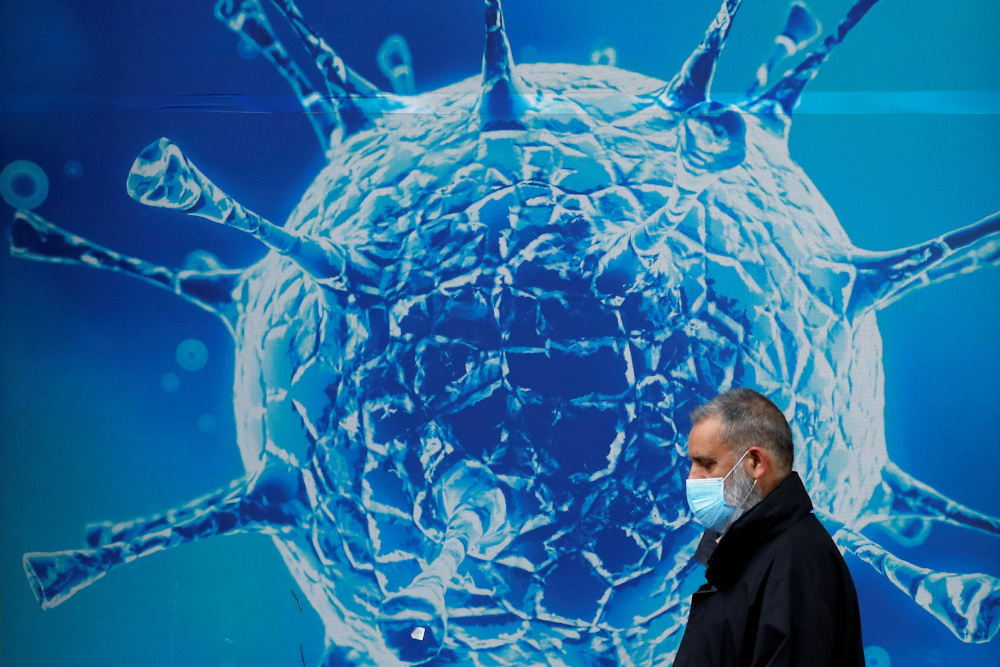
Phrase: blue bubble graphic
(202, 260)
(170, 382)
(73, 170)
(876, 656)
(247, 49)
(23, 184)
(192, 355)
(208, 424)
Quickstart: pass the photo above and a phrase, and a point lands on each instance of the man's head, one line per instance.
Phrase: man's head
(741, 423)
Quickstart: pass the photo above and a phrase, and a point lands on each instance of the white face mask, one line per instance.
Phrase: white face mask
(707, 499)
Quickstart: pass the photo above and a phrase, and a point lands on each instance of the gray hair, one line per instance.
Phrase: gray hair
(749, 418)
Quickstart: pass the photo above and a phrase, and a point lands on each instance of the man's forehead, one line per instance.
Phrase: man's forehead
(708, 429)
(705, 439)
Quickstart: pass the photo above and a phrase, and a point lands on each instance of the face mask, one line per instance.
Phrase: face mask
(707, 500)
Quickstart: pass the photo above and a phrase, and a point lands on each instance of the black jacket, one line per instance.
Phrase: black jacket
(778, 592)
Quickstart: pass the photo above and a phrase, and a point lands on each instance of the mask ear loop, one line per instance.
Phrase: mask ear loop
(749, 493)
(736, 464)
(739, 511)
(739, 508)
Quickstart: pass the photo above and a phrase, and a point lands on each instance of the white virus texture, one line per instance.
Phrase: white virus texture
(461, 371)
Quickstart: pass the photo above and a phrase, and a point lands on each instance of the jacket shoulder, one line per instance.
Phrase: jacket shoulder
(807, 556)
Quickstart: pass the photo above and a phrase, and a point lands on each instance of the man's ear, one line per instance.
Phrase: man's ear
(760, 460)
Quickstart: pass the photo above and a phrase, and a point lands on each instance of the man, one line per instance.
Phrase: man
(778, 591)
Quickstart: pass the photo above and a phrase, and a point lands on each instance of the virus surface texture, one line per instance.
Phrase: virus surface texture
(464, 372)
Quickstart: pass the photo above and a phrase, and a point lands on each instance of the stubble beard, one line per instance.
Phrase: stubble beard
(740, 491)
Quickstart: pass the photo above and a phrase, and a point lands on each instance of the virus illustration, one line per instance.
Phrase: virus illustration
(464, 370)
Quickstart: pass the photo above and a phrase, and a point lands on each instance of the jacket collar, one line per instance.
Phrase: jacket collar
(787, 504)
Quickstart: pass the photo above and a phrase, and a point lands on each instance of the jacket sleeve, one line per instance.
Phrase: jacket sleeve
(796, 627)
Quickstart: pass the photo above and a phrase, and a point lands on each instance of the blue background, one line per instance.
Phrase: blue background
(87, 432)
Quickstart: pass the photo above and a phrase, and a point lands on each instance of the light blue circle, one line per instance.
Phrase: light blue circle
(23, 184)
(876, 656)
(170, 382)
(73, 170)
(202, 260)
(247, 48)
(207, 424)
(192, 355)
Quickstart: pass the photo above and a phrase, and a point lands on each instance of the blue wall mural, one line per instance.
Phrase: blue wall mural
(473, 320)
